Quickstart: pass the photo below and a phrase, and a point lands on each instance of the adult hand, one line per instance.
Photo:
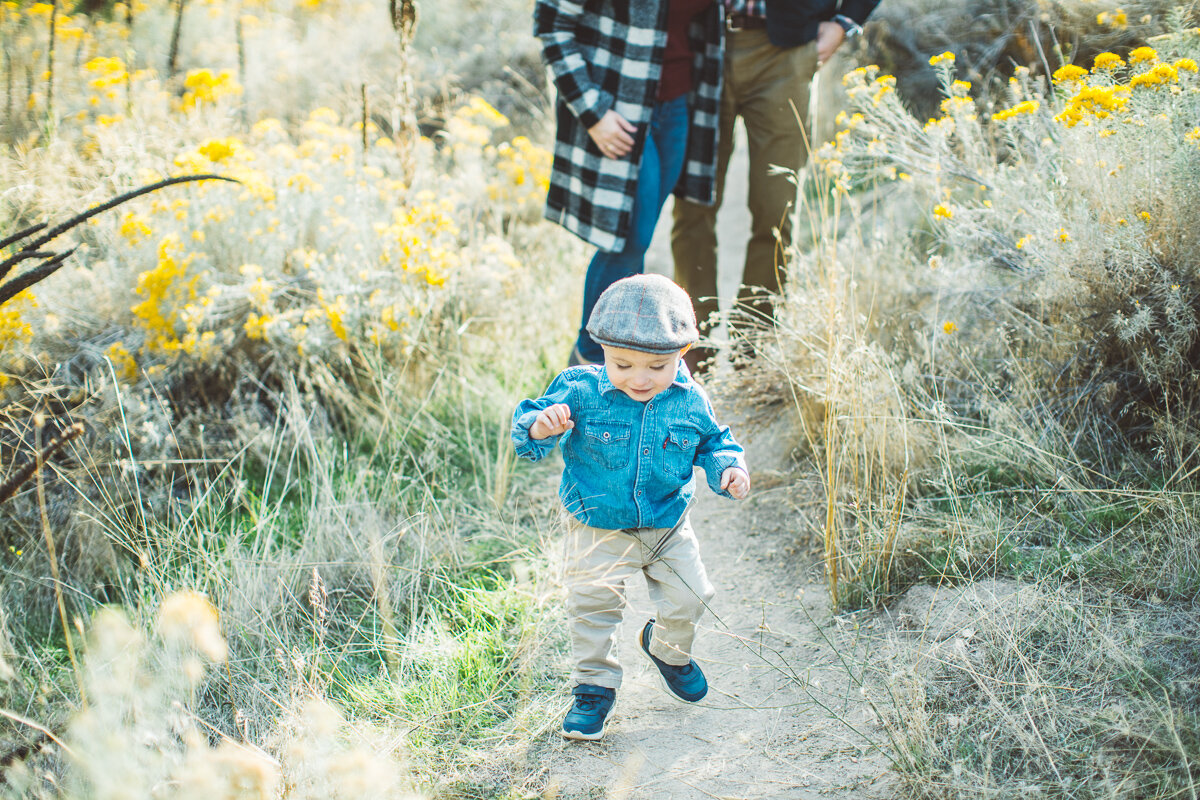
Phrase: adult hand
(830, 36)
(612, 134)
(552, 421)
(735, 481)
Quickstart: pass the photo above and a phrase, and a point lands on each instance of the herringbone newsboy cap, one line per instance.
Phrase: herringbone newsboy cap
(644, 312)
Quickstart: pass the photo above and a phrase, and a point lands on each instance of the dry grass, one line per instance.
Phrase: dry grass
(296, 392)
(990, 343)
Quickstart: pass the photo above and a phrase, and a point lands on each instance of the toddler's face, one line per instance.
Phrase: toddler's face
(640, 375)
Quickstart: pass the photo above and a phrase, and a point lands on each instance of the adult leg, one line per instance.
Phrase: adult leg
(606, 268)
(774, 107)
(680, 591)
(598, 562)
(694, 228)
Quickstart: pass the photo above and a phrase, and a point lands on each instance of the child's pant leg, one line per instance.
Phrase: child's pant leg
(598, 562)
(680, 591)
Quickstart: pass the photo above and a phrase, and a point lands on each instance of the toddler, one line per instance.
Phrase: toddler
(632, 430)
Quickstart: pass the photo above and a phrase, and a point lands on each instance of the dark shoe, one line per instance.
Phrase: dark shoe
(686, 682)
(576, 359)
(587, 716)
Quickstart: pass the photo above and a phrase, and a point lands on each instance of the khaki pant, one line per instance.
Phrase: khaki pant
(599, 562)
(768, 87)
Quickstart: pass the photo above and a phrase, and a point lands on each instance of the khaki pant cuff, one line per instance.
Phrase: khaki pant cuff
(668, 655)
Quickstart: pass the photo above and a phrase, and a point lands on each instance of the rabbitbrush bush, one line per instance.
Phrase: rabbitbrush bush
(295, 390)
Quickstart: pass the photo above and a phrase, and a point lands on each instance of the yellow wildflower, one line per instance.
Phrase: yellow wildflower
(1159, 75)
(218, 150)
(1107, 61)
(1069, 72)
(1023, 241)
(256, 326)
(1142, 54)
(1144, 215)
(942, 211)
(13, 327)
(1188, 64)
(109, 71)
(335, 312)
(1112, 19)
(163, 290)
(123, 364)
(1063, 236)
(944, 57)
(949, 328)
(134, 228)
(206, 87)
(1027, 107)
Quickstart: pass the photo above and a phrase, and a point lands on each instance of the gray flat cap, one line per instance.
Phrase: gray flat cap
(644, 312)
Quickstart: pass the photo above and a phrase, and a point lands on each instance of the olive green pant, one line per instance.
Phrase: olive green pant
(598, 564)
(768, 87)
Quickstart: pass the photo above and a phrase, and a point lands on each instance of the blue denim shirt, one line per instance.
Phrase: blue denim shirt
(628, 463)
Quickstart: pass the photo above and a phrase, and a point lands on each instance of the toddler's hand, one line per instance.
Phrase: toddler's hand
(554, 420)
(736, 482)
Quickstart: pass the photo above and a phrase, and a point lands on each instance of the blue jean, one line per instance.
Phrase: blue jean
(662, 161)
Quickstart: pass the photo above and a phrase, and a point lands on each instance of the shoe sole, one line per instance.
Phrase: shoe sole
(580, 736)
(663, 681)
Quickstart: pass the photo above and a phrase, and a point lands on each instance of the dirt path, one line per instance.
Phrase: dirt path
(769, 727)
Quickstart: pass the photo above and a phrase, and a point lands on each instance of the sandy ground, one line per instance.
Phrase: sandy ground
(783, 719)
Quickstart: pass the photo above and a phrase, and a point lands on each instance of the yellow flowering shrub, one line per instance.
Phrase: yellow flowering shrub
(204, 87)
(163, 290)
(1035, 202)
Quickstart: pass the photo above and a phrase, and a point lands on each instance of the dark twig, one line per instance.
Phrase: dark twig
(19, 235)
(26, 470)
(78, 219)
(11, 289)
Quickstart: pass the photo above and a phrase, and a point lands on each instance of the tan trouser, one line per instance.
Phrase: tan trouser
(768, 87)
(599, 562)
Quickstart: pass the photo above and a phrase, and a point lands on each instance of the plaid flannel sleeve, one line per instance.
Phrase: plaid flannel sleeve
(527, 412)
(556, 23)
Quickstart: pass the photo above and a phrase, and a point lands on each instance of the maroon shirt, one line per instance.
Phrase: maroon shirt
(676, 77)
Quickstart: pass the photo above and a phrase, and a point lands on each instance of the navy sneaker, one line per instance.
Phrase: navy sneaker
(587, 716)
(686, 682)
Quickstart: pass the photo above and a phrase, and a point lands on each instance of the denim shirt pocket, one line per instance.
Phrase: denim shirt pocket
(679, 449)
(606, 442)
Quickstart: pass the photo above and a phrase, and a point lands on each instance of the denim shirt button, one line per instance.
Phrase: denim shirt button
(639, 492)
(646, 451)
(606, 435)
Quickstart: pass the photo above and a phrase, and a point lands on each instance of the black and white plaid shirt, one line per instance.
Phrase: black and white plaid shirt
(607, 54)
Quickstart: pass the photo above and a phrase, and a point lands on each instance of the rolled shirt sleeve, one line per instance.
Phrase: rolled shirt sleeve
(718, 451)
(527, 412)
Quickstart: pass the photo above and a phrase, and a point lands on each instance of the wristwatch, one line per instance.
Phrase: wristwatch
(851, 27)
